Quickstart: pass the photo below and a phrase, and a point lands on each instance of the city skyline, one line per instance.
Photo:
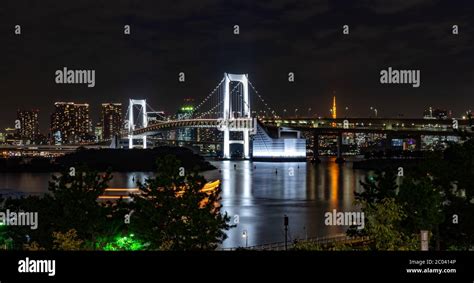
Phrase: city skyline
(108, 109)
(274, 39)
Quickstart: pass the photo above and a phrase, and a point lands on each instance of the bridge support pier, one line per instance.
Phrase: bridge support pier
(388, 142)
(130, 142)
(226, 152)
(339, 158)
(246, 144)
(418, 142)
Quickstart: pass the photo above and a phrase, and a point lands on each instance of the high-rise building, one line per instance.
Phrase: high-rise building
(185, 112)
(70, 122)
(111, 119)
(28, 128)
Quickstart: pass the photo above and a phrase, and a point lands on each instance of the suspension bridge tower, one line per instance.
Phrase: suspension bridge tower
(131, 123)
(228, 113)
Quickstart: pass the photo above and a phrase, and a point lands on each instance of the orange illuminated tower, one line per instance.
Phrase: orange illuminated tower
(333, 111)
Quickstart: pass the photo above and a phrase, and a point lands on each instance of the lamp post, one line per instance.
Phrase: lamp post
(246, 237)
(285, 223)
(296, 110)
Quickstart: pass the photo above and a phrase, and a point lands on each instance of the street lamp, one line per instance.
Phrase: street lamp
(309, 112)
(246, 237)
(375, 110)
(284, 112)
(296, 110)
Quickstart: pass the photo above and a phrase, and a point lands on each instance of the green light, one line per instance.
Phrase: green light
(124, 244)
(187, 108)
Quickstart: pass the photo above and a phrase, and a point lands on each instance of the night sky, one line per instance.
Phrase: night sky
(276, 37)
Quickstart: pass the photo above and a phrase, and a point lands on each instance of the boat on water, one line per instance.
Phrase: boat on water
(126, 193)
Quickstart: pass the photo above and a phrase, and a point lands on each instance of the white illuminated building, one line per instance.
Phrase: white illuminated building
(285, 146)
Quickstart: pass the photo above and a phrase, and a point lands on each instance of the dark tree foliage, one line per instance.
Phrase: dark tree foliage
(422, 202)
(437, 196)
(454, 175)
(172, 213)
(70, 204)
(378, 187)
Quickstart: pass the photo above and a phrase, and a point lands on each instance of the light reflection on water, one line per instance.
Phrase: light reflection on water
(260, 193)
(261, 196)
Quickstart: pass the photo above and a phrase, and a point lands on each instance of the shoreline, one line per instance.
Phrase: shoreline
(116, 160)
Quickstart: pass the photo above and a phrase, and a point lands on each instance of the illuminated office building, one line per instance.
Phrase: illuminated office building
(28, 125)
(111, 119)
(70, 122)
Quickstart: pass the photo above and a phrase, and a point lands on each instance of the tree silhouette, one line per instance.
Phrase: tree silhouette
(173, 213)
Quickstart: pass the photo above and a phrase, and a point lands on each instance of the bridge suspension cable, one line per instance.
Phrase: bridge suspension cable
(218, 101)
(262, 100)
(208, 96)
(215, 99)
